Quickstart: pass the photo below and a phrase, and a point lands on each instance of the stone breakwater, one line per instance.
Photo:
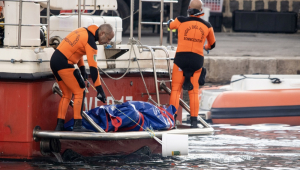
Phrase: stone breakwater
(220, 69)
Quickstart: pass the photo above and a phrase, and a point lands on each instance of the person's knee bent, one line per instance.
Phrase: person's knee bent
(78, 94)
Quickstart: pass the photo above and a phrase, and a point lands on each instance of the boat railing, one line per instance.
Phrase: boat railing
(79, 9)
(167, 58)
(151, 49)
(20, 19)
(161, 23)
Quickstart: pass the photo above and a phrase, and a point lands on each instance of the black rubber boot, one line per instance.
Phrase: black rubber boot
(78, 126)
(187, 85)
(175, 118)
(60, 125)
(194, 122)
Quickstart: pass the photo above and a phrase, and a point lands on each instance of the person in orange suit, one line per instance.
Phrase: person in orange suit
(188, 62)
(70, 51)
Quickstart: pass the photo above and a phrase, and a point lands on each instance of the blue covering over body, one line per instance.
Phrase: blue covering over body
(122, 117)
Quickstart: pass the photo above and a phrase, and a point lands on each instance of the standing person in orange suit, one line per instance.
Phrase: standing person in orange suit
(70, 51)
(188, 62)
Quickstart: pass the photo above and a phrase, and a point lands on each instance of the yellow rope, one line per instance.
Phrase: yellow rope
(91, 85)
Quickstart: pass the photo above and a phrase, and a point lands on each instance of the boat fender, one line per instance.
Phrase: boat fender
(201, 80)
(275, 80)
(79, 78)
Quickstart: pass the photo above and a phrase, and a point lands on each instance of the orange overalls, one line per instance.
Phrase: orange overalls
(188, 62)
(70, 51)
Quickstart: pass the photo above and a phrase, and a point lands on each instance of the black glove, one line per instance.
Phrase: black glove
(168, 23)
(100, 94)
(83, 73)
(207, 51)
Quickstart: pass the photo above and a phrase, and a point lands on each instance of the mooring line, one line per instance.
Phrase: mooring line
(150, 131)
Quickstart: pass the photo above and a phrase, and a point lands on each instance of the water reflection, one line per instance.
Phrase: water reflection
(270, 146)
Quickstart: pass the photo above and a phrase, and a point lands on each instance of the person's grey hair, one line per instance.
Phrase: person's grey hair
(107, 28)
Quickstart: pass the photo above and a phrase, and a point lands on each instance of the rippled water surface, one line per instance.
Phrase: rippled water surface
(270, 146)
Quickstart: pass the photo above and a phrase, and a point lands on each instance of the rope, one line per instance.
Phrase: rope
(104, 85)
(132, 49)
(142, 75)
(107, 88)
(274, 80)
(129, 15)
(150, 97)
(125, 71)
(150, 131)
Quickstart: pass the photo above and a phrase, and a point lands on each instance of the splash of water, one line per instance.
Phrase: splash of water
(58, 156)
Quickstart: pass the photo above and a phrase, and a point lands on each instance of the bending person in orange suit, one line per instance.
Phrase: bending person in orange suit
(70, 51)
(188, 62)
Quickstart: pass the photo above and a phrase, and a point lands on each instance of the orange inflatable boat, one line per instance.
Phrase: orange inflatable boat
(254, 99)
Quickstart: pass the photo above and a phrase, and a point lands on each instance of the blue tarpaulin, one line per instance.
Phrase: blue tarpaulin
(129, 116)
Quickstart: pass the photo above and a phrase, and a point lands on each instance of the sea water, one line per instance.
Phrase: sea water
(263, 146)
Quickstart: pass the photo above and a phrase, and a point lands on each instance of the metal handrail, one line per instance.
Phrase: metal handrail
(48, 22)
(168, 59)
(131, 18)
(79, 13)
(24, 24)
(23, 61)
(20, 23)
(151, 49)
(27, 0)
(20, 19)
(118, 135)
(14, 60)
(154, 71)
(153, 23)
(91, 13)
(161, 23)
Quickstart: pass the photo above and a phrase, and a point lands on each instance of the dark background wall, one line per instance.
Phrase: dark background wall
(252, 5)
